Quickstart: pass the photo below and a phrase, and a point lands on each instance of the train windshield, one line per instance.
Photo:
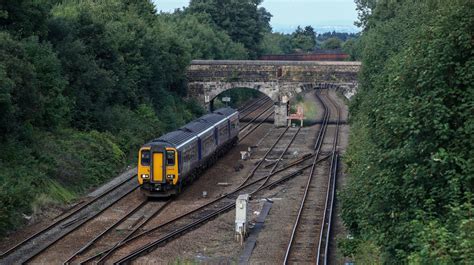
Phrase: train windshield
(170, 158)
(145, 157)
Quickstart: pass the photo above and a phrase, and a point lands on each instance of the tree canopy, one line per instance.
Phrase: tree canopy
(243, 20)
(410, 159)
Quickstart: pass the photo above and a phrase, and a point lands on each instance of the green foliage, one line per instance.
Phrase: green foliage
(306, 40)
(31, 85)
(54, 167)
(244, 21)
(343, 36)
(25, 17)
(237, 96)
(411, 150)
(332, 44)
(276, 43)
(353, 48)
(303, 39)
(203, 40)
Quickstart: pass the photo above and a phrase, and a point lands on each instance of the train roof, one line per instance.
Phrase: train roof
(225, 111)
(175, 137)
(195, 127)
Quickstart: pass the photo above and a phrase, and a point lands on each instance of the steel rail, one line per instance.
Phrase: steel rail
(150, 246)
(53, 224)
(248, 104)
(329, 222)
(23, 242)
(256, 106)
(246, 125)
(95, 239)
(317, 147)
(251, 103)
(250, 109)
(322, 258)
(104, 254)
(280, 157)
(299, 171)
(108, 251)
(80, 225)
(245, 108)
(262, 160)
(241, 138)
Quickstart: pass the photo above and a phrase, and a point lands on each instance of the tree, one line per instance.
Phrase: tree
(352, 47)
(276, 43)
(309, 31)
(24, 17)
(411, 146)
(243, 21)
(303, 40)
(32, 85)
(332, 44)
(203, 40)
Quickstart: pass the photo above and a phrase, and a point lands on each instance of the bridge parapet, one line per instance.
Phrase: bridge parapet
(273, 71)
(279, 80)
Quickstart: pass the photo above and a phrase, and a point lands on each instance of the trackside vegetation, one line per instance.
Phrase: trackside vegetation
(409, 197)
(84, 83)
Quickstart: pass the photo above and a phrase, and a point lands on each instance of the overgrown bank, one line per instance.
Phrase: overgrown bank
(409, 198)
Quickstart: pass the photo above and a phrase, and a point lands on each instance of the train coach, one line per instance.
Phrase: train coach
(168, 163)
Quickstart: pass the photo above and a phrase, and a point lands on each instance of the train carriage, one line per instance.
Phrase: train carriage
(167, 163)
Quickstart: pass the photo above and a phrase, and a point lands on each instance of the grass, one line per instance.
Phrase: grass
(309, 108)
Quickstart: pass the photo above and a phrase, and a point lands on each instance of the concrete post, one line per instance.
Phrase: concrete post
(281, 114)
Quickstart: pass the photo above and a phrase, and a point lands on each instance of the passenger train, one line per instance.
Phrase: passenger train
(168, 163)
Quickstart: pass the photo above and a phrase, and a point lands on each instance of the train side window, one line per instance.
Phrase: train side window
(170, 158)
(145, 157)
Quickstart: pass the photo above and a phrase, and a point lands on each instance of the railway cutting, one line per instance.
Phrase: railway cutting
(294, 167)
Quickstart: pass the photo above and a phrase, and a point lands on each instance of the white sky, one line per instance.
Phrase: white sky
(287, 14)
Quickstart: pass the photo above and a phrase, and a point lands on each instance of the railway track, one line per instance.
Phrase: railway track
(65, 224)
(191, 220)
(252, 106)
(260, 168)
(103, 255)
(324, 239)
(248, 128)
(252, 184)
(313, 220)
(137, 219)
(28, 249)
(257, 113)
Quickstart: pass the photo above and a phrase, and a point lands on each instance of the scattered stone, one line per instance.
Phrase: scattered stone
(238, 167)
(245, 155)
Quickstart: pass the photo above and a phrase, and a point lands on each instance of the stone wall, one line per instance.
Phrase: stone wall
(279, 80)
(273, 71)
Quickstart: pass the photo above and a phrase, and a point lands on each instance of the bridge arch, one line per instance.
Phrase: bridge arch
(279, 80)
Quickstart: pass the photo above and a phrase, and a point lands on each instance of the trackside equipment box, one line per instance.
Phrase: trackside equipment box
(242, 215)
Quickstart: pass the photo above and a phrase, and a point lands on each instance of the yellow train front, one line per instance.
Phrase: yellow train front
(168, 163)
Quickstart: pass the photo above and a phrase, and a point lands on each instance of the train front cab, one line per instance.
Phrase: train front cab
(158, 171)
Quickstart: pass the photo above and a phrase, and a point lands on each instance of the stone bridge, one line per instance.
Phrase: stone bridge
(279, 80)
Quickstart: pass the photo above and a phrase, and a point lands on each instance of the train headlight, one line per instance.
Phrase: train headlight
(170, 176)
(145, 176)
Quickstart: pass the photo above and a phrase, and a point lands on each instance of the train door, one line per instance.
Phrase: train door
(158, 167)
